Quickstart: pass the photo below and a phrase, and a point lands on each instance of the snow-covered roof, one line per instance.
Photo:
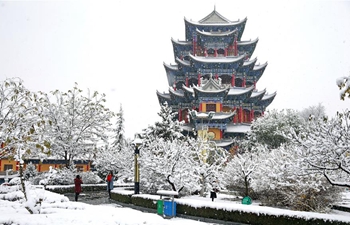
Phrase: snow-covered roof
(217, 59)
(215, 19)
(179, 93)
(181, 42)
(188, 89)
(257, 67)
(247, 42)
(217, 116)
(239, 90)
(170, 66)
(223, 143)
(268, 96)
(216, 34)
(257, 93)
(183, 62)
(164, 95)
(246, 63)
(237, 128)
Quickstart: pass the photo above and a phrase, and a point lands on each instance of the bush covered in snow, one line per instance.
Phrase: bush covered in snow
(64, 176)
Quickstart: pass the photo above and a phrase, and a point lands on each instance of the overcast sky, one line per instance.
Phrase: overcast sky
(118, 48)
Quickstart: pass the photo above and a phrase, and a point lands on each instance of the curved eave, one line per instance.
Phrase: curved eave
(222, 91)
(184, 43)
(243, 43)
(236, 91)
(260, 67)
(216, 34)
(217, 59)
(183, 62)
(170, 67)
(187, 89)
(176, 93)
(267, 99)
(229, 23)
(238, 128)
(163, 97)
(224, 143)
(250, 62)
(258, 94)
(224, 116)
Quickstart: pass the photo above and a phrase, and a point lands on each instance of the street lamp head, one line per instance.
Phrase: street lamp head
(137, 140)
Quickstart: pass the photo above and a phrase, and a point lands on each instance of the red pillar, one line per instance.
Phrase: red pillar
(17, 166)
(180, 115)
(186, 81)
(205, 52)
(240, 115)
(200, 107)
(216, 76)
(254, 84)
(215, 53)
(174, 86)
(199, 79)
(39, 168)
(244, 82)
(233, 80)
(220, 107)
(225, 53)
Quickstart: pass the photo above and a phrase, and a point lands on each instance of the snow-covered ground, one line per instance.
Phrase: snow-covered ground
(57, 209)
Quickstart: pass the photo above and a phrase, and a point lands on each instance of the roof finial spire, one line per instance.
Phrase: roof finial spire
(214, 7)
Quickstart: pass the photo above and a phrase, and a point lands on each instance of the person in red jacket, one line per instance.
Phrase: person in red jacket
(77, 187)
(110, 181)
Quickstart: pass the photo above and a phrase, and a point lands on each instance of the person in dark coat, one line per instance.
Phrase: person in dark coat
(110, 181)
(212, 194)
(213, 191)
(77, 186)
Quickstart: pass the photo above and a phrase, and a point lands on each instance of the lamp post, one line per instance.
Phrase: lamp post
(137, 142)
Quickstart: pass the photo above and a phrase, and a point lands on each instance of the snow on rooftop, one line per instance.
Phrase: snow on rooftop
(238, 128)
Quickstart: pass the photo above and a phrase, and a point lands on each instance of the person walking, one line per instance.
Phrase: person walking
(77, 186)
(213, 191)
(110, 181)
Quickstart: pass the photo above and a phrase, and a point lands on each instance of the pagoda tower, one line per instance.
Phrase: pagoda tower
(212, 85)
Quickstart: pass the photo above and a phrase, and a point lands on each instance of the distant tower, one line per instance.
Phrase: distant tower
(212, 86)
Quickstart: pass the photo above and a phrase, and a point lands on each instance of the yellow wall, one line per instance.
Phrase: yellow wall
(204, 106)
(7, 162)
(43, 167)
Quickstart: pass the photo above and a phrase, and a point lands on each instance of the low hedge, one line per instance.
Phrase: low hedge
(207, 212)
(250, 218)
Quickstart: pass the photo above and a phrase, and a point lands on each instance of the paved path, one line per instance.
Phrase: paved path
(100, 198)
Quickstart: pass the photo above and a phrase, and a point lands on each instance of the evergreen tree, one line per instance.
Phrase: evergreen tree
(119, 139)
(168, 128)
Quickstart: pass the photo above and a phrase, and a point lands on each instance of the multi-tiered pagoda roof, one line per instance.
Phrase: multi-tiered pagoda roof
(212, 84)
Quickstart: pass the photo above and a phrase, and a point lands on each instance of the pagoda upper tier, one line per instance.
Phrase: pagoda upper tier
(214, 72)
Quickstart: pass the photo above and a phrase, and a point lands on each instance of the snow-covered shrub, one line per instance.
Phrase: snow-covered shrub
(284, 181)
(30, 171)
(91, 178)
(64, 176)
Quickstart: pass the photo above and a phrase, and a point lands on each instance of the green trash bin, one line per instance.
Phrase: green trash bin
(160, 207)
(246, 200)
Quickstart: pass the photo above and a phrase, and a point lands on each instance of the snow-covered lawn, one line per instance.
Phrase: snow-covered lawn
(57, 209)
